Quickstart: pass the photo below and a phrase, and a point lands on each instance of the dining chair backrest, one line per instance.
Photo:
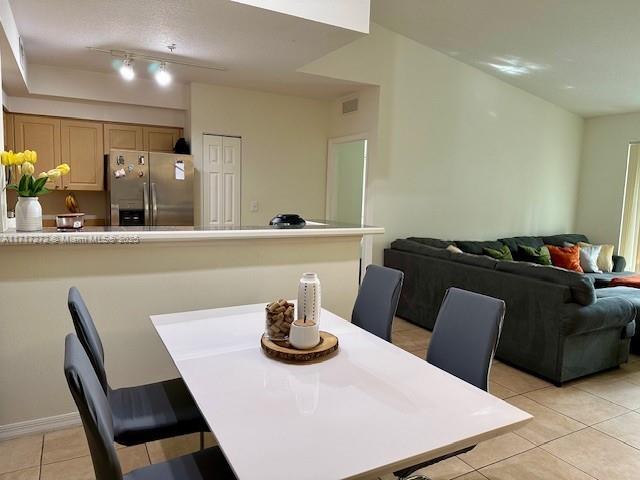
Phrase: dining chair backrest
(94, 409)
(466, 334)
(377, 300)
(88, 334)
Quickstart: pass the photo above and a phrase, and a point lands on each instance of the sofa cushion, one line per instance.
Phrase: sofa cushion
(421, 249)
(476, 260)
(603, 279)
(475, 247)
(561, 239)
(513, 242)
(432, 242)
(628, 293)
(539, 255)
(581, 286)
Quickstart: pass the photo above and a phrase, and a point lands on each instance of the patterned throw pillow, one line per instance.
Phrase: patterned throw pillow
(539, 255)
(454, 249)
(605, 258)
(502, 254)
(566, 257)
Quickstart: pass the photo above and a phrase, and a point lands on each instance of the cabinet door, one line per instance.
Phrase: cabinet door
(160, 139)
(8, 131)
(122, 137)
(41, 134)
(81, 144)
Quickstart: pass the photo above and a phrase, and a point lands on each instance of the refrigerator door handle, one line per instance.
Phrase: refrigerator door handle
(145, 197)
(154, 204)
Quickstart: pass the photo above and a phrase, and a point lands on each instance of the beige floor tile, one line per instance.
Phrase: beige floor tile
(446, 470)
(546, 424)
(515, 380)
(472, 476)
(400, 324)
(597, 454)
(28, 474)
(625, 428)
(64, 445)
(132, 458)
(499, 391)
(535, 464)
(496, 449)
(410, 339)
(620, 392)
(162, 450)
(20, 453)
(74, 469)
(577, 404)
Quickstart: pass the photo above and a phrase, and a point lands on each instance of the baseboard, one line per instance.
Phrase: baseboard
(39, 425)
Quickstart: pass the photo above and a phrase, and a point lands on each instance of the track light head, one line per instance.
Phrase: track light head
(163, 77)
(126, 70)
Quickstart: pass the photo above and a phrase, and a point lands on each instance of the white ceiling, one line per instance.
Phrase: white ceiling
(261, 49)
(579, 54)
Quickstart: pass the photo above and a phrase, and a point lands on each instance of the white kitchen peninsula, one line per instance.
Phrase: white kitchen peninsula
(127, 274)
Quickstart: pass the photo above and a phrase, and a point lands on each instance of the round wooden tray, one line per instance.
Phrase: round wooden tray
(283, 351)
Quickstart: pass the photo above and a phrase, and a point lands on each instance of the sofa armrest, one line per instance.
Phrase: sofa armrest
(619, 263)
(611, 312)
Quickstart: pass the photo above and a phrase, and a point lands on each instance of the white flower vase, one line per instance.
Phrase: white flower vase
(28, 214)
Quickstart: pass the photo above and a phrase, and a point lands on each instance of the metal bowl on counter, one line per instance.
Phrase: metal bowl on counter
(70, 221)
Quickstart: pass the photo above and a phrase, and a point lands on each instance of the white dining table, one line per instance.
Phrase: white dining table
(370, 409)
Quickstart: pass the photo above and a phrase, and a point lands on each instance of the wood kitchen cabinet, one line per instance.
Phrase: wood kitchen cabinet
(160, 139)
(41, 134)
(81, 147)
(122, 137)
(8, 131)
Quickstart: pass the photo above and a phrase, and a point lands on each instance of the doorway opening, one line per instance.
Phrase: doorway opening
(347, 186)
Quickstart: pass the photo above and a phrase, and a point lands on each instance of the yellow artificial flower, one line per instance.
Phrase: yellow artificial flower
(43, 175)
(63, 168)
(4, 158)
(53, 173)
(34, 157)
(11, 158)
(27, 156)
(27, 168)
(19, 158)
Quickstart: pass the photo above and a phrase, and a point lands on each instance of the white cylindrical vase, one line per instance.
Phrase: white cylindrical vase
(309, 298)
(28, 214)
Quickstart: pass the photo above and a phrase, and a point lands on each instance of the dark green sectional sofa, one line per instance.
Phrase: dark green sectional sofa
(557, 325)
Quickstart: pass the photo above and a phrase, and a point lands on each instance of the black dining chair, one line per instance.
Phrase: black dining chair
(97, 420)
(377, 300)
(141, 413)
(463, 343)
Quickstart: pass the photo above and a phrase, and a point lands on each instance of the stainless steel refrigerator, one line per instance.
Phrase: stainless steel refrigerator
(149, 188)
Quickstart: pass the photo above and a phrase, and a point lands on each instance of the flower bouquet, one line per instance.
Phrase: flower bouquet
(20, 165)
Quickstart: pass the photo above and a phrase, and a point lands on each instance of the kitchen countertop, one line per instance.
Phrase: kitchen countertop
(136, 235)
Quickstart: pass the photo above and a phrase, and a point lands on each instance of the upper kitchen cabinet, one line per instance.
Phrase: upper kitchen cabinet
(8, 131)
(41, 134)
(122, 137)
(82, 146)
(160, 139)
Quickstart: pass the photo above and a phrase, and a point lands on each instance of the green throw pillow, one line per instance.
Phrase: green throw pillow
(538, 255)
(502, 254)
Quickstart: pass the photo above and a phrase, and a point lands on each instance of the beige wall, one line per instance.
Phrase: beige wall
(123, 285)
(459, 153)
(603, 174)
(284, 147)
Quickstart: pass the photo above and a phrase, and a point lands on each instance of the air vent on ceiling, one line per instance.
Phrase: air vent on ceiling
(350, 106)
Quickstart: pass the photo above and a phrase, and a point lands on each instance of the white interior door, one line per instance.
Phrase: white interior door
(222, 171)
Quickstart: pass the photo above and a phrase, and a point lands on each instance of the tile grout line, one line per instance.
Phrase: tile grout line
(572, 418)
(569, 463)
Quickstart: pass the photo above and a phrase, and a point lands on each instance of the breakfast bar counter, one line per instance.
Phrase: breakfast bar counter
(126, 274)
(135, 235)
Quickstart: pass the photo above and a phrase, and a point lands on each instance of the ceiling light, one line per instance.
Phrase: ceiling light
(126, 70)
(163, 77)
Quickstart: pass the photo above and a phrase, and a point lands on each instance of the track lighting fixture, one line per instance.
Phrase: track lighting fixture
(126, 69)
(163, 77)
